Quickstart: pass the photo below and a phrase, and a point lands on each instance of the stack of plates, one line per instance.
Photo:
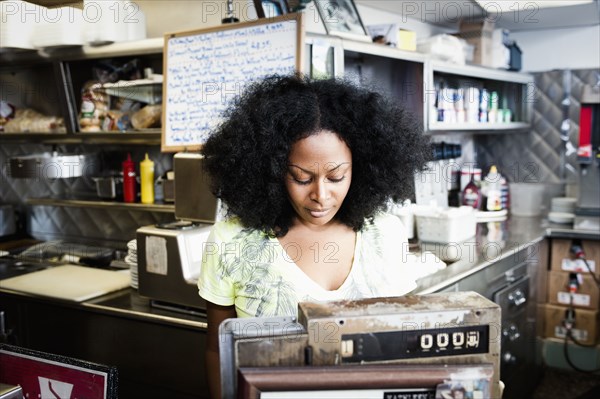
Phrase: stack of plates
(131, 260)
(562, 210)
(491, 216)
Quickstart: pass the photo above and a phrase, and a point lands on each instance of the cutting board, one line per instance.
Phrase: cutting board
(71, 282)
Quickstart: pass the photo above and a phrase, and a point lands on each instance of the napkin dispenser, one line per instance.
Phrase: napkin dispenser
(170, 254)
(169, 261)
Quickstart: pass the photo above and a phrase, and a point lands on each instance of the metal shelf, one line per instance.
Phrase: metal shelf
(147, 137)
(124, 49)
(122, 206)
(488, 127)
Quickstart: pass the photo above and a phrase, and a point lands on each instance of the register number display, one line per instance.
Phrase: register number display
(413, 344)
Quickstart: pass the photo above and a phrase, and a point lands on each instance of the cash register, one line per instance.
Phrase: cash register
(170, 254)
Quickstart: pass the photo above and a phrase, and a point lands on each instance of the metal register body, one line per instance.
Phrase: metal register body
(417, 330)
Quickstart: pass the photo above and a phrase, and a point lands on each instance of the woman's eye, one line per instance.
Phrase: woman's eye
(303, 182)
(336, 179)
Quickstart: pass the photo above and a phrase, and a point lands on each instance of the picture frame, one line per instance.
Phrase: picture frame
(271, 8)
(341, 18)
(408, 379)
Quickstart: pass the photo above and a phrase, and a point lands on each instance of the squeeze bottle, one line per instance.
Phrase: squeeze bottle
(147, 180)
(494, 190)
(129, 183)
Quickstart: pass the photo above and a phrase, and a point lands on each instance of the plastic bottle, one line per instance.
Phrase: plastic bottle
(129, 181)
(493, 190)
(471, 195)
(147, 180)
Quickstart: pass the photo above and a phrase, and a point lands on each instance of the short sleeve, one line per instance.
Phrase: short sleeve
(213, 284)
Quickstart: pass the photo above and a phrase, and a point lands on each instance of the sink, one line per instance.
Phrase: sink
(15, 267)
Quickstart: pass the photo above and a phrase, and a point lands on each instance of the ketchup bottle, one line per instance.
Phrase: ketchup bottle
(129, 181)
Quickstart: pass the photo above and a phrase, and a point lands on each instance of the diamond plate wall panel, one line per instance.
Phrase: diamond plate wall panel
(536, 156)
(86, 225)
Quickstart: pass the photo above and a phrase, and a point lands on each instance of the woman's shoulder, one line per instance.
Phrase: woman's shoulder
(231, 229)
(385, 222)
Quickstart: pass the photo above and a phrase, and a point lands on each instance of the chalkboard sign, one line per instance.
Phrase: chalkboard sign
(205, 69)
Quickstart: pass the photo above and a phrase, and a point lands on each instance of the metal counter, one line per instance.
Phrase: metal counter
(494, 242)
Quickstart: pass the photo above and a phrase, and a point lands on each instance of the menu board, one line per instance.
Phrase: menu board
(205, 69)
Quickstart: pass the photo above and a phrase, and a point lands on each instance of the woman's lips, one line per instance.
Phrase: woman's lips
(319, 213)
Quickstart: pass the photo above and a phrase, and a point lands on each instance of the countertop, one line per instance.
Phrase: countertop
(493, 242)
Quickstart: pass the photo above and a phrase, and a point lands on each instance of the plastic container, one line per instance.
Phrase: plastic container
(445, 225)
(129, 180)
(526, 199)
(147, 180)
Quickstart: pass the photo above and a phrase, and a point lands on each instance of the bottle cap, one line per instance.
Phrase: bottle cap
(147, 161)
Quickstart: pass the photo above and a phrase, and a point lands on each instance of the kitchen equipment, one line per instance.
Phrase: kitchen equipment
(460, 330)
(70, 282)
(170, 255)
(11, 267)
(8, 224)
(109, 187)
(53, 165)
(587, 214)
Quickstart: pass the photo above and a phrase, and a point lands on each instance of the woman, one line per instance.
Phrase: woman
(306, 169)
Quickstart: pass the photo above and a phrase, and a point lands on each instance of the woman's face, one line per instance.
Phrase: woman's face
(319, 176)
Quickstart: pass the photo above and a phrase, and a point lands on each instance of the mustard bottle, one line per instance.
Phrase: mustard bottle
(147, 180)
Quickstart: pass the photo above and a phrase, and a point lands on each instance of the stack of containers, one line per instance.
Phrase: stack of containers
(19, 20)
(570, 285)
(27, 26)
(60, 27)
(131, 260)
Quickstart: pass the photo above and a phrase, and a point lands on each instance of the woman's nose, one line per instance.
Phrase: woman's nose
(320, 191)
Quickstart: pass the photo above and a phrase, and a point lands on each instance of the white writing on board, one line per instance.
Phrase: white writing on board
(205, 71)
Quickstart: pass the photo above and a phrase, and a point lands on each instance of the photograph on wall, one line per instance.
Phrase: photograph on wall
(341, 18)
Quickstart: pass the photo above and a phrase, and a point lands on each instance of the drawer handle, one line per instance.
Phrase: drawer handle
(517, 298)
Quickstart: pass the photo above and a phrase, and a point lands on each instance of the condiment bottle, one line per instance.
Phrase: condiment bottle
(147, 180)
(129, 183)
(493, 190)
(471, 195)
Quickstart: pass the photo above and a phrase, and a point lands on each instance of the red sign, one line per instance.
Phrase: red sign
(45, 378)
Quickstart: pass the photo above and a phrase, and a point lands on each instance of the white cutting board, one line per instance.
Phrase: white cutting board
(71, 282)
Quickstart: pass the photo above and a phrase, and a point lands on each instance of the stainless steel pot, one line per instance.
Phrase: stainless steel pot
(8, 224)
(110, 187)
(53, 165)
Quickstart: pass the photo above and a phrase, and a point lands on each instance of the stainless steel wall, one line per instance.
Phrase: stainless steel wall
(79, 224)
(537, 156)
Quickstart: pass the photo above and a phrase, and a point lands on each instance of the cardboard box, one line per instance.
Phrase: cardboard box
(395, 36)
(562, 259)
(480, 35)
(585, 329)
(586, 297)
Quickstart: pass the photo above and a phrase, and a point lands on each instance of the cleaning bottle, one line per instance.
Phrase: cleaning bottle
(129, 180)
(147, 180)
(493, 190)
